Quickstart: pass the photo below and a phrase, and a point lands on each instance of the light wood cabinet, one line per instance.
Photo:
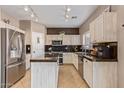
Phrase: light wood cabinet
(71, 40)
(75, 60)
(76, 40)
(99, 29)
(67, 58)
(100, 74)
(110, 28)
(2, 24)
(70, 58)
(105, 74)
(103, 28)
(44, 74)
(92, 31)
(67, 39)
(88, 72)
(49, 39)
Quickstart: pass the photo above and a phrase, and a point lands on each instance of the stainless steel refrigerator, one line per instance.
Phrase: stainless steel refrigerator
(12, 57)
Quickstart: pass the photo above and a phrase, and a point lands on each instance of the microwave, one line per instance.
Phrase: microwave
(56, 42)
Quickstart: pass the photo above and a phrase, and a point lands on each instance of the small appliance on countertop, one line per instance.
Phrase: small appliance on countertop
(103, 52)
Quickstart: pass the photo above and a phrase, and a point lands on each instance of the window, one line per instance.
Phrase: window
(86, 39)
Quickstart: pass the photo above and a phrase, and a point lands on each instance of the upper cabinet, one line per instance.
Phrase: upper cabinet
(103, 28)
(67, 39)
(76, 40)
(49, 38)
(2, 24)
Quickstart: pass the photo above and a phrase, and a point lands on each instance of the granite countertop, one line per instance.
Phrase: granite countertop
(44, 59)
(94, 59)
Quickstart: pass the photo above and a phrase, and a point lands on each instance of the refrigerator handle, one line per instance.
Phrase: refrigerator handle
(14, 65)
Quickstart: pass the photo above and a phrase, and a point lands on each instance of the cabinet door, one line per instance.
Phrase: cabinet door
(110, 27)
(67, 58)
(88, 72)
(2, 24)
(99, 29)
(67, 40)
(75, 60)
(75, 39)
(92, 31)
(85, 69)
(104, 74)
(103, 28)
(48, 40)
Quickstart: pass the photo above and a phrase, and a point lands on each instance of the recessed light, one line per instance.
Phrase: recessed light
(26, 8)
(32, 15)
(68, 9)
(36, 19)
(66, 16)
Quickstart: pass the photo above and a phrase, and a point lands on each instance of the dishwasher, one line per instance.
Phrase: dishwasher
(80, 66)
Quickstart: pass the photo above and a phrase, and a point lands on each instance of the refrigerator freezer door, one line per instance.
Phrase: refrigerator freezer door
(14, 73)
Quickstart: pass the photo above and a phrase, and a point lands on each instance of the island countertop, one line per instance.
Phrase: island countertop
(44, 59)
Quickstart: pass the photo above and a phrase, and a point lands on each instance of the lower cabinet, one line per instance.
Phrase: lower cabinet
(44, 74)
(105, 74)
(75, 60)
(88, 72)
(70, 58)
(100, 74)
(67, 58)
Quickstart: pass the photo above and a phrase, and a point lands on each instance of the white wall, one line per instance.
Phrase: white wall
(0, 58)
(13, 21)
(120, 14)
(40, 28)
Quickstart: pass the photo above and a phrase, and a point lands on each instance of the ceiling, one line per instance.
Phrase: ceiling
(53, 15)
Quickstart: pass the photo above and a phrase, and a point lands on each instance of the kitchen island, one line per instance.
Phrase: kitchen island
(44, 72)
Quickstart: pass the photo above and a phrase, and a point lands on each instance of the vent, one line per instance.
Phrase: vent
(74, 17)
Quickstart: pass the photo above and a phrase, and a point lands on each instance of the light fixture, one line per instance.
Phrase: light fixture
(32, 15)
(36, 19)
(68, 9)
(66, 16)
(26, 8)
